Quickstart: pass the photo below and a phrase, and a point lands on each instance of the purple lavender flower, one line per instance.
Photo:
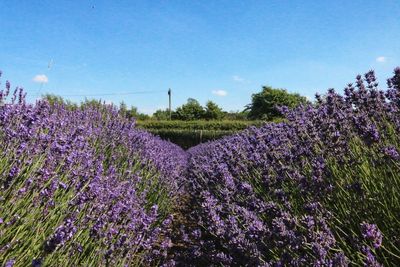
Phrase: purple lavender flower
(391, 152)
(371, 233)
(37, 263)
(10, 263)
(370, 260)
(340, 259)
(13, 172)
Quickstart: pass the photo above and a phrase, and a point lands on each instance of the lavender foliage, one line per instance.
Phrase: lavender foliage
(319, 189)
(83, 185)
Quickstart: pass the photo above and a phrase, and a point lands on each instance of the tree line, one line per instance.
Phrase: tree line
(263, 106)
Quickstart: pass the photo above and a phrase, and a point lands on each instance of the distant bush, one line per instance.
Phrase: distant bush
(213, 112)
(58, 100)
(265, 104)
(192, 110)
(237, 115)
(132, 112)
(161, 114)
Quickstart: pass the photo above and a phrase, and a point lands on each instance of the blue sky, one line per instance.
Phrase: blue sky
(208, 50)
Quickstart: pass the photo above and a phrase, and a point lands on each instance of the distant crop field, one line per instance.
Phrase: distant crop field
(189, 138)
(187, 134)
(225, 125)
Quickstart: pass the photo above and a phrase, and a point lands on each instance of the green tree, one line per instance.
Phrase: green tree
(213, 111)
(237, 115)
(264, 104)
(55, 99)
(133, 112)
(161, 114)
(123, 109)
(92, 103)
(192, 110)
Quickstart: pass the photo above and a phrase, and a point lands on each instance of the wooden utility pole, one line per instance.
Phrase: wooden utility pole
(169, 99)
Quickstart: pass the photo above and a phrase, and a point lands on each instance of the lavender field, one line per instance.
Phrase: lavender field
(85, 187)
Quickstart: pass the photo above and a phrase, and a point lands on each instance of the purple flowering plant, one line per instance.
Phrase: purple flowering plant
(83, 186)
(299, 193)
(320, 188)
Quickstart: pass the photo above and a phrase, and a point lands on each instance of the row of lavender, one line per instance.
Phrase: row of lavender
(87, 188)
(320, 189)
(83, 187)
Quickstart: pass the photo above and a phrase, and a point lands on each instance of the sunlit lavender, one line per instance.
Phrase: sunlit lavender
(320, 189)
(85, 187)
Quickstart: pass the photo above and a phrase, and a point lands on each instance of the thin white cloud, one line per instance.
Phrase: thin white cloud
(381, 59)
(40, 78)
(237, 78)
(219, 92)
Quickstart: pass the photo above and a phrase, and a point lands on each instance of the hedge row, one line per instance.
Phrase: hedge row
(226, 125)
(189, 138)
